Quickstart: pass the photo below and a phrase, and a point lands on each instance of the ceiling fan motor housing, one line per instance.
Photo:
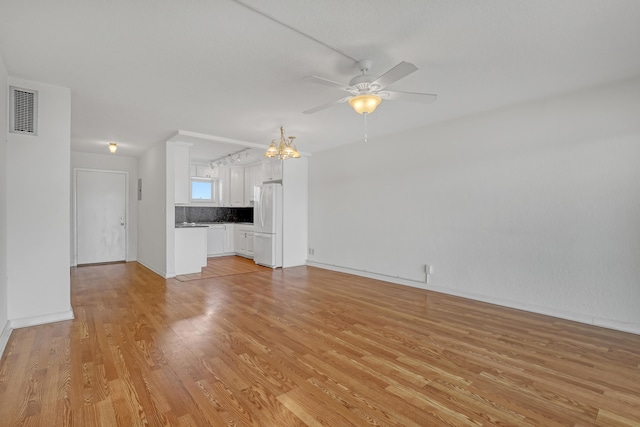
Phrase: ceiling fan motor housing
(362, 83)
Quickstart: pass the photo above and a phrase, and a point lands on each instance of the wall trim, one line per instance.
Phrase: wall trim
(560, 314)
(41, 320)
(155, 270)
(4, 337)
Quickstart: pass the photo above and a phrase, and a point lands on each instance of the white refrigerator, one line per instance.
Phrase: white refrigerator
(267, 224)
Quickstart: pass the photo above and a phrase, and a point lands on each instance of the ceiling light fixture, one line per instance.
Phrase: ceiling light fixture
(284, 150)
(228, 158)
(113, 147)
(365, 103)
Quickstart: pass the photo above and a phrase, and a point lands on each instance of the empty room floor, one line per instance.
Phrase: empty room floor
(306, 346)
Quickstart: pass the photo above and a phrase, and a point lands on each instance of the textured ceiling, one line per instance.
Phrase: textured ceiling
(140, 71)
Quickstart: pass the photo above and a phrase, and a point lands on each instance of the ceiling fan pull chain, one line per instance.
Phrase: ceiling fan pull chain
(365, 127)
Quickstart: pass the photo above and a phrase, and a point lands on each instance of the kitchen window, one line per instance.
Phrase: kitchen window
(203, 190)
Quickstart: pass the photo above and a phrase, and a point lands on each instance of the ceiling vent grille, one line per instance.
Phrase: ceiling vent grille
(24, 111)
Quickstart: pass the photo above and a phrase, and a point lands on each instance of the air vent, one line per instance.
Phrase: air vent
(24, 111)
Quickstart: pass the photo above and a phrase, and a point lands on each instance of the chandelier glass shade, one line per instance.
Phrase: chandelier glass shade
(285, 149)
(113, 147)
(365, 103)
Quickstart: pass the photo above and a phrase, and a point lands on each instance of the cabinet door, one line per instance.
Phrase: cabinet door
(215, 240)
(271, 169)
(252, 179)
(276, 169)
(249, 243)
(249, 176)
(181, 169)
(238, 236)
(228, 238)
(203, 171)
(236, 187)
(224, 185)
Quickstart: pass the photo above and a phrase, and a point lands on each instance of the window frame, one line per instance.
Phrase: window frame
(214, 192)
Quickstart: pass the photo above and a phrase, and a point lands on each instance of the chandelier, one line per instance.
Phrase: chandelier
(284, 150)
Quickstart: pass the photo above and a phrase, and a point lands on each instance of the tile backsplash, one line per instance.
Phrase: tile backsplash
(212, 214)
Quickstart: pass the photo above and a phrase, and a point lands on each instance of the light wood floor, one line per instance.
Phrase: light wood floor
(305, 346)
(223, 266)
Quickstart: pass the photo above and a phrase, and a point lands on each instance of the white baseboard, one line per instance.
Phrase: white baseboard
(4, 337)
(158, 271)
(560, 314)
(41, 320)
(223, 254)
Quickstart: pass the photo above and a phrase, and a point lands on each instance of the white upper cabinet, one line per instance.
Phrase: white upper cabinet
(252, 179)
(236, 186)
(224, 176)
(231, 186)
(272, 169)
(203, 171)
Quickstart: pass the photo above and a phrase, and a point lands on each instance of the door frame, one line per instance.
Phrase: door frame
(74, 229)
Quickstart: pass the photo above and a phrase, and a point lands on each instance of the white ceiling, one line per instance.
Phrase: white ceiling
(140, 71)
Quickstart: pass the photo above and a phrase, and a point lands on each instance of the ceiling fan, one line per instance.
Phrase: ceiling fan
(367, 91)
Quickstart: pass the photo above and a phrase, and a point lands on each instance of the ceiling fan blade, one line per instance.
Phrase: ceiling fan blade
(325, 82)
(323, 106)
(423, 98)
(401, 70)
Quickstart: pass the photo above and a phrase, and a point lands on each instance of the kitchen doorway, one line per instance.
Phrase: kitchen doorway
(101, 216)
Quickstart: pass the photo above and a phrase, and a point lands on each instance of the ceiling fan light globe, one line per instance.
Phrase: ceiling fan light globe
(365, 104)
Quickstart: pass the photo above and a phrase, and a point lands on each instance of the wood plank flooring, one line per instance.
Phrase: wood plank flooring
(305, 346)
(223, 266)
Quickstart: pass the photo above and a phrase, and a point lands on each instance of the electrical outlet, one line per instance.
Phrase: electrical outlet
(428, 270)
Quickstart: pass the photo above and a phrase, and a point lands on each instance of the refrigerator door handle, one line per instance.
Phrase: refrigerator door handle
(261, 210)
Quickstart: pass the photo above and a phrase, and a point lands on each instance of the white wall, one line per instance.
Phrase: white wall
(536, 206)
(38, 198)
(111, 162)
(170, 198)
(152, 251)
(5, 329)
(295, 183)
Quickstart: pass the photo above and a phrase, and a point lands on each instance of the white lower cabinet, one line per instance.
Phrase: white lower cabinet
(244, 240)
(215, 240)
(228, 239)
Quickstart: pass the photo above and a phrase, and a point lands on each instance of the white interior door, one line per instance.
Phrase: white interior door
(100, 216)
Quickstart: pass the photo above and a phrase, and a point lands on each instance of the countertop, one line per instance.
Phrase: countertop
(207, 224)
(190, 225)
